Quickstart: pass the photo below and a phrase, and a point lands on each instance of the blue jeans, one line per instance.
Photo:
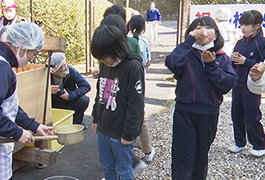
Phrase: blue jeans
(115, 158)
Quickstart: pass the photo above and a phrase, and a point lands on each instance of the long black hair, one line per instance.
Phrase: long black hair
(137, 25)
(207, 21)
(109, 41)
(252, 17)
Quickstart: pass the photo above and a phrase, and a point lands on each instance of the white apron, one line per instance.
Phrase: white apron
(10, 109)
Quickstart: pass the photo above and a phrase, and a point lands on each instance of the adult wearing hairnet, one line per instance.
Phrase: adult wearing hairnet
(18, 44)
(9, 13)
(68, 88)
(222, 17)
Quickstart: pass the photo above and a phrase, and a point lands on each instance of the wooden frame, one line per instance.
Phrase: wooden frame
(31, 86)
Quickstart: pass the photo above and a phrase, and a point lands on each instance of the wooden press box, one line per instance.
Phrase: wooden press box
(31, 87)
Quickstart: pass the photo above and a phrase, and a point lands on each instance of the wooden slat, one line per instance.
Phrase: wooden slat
(54, 44)
(18, 164)
(17, 147)
(36, 155)
(29, 67)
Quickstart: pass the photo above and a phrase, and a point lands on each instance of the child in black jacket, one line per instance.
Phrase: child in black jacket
(203, 75)
(119, 104)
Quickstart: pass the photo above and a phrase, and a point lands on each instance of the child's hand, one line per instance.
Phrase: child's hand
(254, 73)
(148, 64)
(238, 59)
(26, 138)
(94, 127)
(45, 130)
(124, 142)
(207, 56)
(199, 34)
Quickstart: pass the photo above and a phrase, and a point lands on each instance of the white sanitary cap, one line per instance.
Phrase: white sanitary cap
(223, 14)
(25, 35)
(135, 12)
(152, 4)
(57, 59)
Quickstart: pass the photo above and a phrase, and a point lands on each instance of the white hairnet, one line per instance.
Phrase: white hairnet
(57, 60)
(223, 14)
(25, 35)
(135, 12)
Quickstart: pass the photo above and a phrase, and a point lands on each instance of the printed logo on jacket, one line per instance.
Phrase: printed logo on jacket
(108, 90)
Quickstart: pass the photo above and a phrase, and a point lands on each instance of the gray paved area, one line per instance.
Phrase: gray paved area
(81, 160)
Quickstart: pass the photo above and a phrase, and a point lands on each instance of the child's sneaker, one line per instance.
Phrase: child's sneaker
(236, 149)
(257, 153)
(139, 167)
(149, 157)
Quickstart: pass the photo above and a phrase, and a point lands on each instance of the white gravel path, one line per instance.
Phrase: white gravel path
(223, 165)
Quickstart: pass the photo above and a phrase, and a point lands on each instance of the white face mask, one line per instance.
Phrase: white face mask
(116, 63)
(250, 33)
(64, 74)
(201, 47)
(9, 15)
(22, 61)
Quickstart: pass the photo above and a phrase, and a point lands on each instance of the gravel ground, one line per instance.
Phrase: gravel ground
(222, 164)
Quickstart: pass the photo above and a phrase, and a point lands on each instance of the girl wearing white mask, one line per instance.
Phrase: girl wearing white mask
(203, 76)
(246, 113)
(16, 49)
(9, 13)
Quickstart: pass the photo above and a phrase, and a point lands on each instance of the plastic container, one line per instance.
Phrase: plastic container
(60, 117)
(60, 178)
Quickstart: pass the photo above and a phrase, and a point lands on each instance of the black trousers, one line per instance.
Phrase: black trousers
(192, 136)
(79, 106)
(246, 118)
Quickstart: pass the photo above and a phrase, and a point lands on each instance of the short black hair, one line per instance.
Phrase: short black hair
(115, 9)
(115, 20)
(109, 41)
(137, 22)
(207, 21)
(251, 17)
